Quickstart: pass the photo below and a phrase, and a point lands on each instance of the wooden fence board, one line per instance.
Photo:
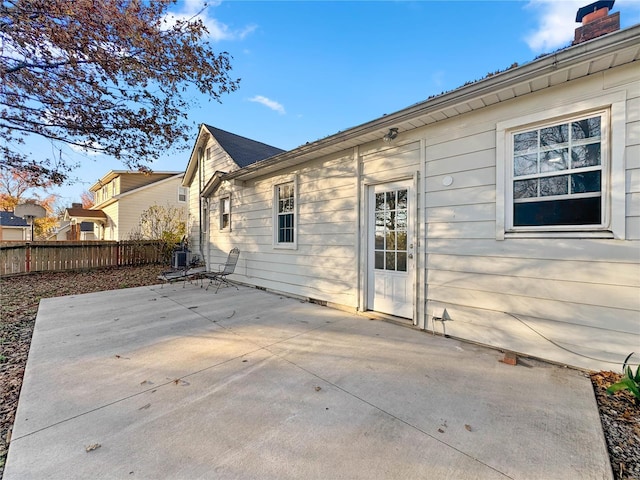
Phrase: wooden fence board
(25, 257)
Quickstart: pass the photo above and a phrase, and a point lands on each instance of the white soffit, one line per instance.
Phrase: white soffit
(575, 62)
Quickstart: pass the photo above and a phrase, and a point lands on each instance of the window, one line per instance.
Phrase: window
(205, 215)
(183, 194)
(225, 213)
(391, 230)
(558, 174)
(285, 214)
(560, 170)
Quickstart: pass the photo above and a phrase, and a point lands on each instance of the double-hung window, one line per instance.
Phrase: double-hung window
(183, 194)
(285, 215)
(225, 213)
(558, 172)
(204, 221)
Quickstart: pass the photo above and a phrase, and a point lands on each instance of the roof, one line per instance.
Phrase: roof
(8, 219)
(111, 174)
(85, 213)
(133, 191)
(592, 8)
(588, 58)
(242, 150)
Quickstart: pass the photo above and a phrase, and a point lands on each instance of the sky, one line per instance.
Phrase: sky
(309, 69)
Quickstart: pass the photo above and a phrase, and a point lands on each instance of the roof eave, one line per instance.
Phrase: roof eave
(538, 68)
(213, 184)
(192, 165)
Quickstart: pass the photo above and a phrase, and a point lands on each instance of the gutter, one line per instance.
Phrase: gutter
(537, 68)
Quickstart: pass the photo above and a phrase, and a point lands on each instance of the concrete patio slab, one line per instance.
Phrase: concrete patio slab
(182, 383)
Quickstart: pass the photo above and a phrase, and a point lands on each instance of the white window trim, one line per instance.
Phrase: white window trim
(288, 245)
(186, 194)
(204, 227)
(221, 213)
(613, 179)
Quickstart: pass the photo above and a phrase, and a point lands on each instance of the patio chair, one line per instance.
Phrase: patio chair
(192, 270)
(224, 270)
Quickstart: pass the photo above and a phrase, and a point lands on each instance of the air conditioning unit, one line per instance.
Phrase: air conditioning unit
(180, 259)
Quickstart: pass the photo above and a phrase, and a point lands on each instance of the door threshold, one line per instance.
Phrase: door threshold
(385, 317)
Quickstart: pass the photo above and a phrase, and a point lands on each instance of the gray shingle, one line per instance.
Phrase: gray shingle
(8, 219)
(243, 151)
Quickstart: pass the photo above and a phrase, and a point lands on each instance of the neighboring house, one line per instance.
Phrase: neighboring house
(505, 212)
(13, 228)
(68, 231)
(121, 197)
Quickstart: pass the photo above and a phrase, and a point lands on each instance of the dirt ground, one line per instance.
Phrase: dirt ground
(20, 296)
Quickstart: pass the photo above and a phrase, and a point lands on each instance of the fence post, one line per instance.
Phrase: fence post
(28, 257)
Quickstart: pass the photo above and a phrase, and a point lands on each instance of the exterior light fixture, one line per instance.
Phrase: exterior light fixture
(390, 135)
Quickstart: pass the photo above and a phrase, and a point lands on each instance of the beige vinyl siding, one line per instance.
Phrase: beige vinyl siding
(324, 264)
(549, 296)
(130, 207)
(13, 233)
(633, 163)
(570, 298)
(112, 225)
(219, 161)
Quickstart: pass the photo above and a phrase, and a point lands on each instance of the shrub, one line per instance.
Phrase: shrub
(629, 381)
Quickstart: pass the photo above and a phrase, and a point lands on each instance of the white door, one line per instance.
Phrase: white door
(391, 252)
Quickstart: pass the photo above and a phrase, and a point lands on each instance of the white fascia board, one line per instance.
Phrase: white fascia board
(545, 65)
(192, 165)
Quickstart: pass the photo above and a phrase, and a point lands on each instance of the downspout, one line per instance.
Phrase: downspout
(358, 229)
(200, 175)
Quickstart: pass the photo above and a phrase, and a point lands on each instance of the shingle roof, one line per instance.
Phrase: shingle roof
(243, 151)
(86, 213)
(8, 219)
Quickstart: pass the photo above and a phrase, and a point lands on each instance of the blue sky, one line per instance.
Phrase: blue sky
(311, 69)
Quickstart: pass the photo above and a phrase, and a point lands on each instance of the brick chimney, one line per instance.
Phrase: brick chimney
(596, 21)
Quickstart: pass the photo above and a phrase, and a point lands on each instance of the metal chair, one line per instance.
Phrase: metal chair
(224, 270)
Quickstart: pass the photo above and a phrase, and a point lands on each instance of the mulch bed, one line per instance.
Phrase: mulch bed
(620, 418)
(20, 296)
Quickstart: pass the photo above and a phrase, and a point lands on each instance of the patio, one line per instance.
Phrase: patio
(181, 383)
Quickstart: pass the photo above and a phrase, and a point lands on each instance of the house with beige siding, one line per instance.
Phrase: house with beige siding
(505, 212)
(120, 198)
(13, 228)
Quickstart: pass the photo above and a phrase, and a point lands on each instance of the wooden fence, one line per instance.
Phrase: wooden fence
(26, 257)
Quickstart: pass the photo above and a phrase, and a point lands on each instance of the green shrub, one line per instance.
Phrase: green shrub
(629, 381)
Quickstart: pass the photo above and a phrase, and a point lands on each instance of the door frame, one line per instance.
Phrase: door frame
(367, 243)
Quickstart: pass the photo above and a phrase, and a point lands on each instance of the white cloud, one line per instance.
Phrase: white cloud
(187, 9)
(438, 78)
(556, 24)
(272, 104)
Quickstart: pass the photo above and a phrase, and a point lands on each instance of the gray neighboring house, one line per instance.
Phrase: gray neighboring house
(13, 228)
